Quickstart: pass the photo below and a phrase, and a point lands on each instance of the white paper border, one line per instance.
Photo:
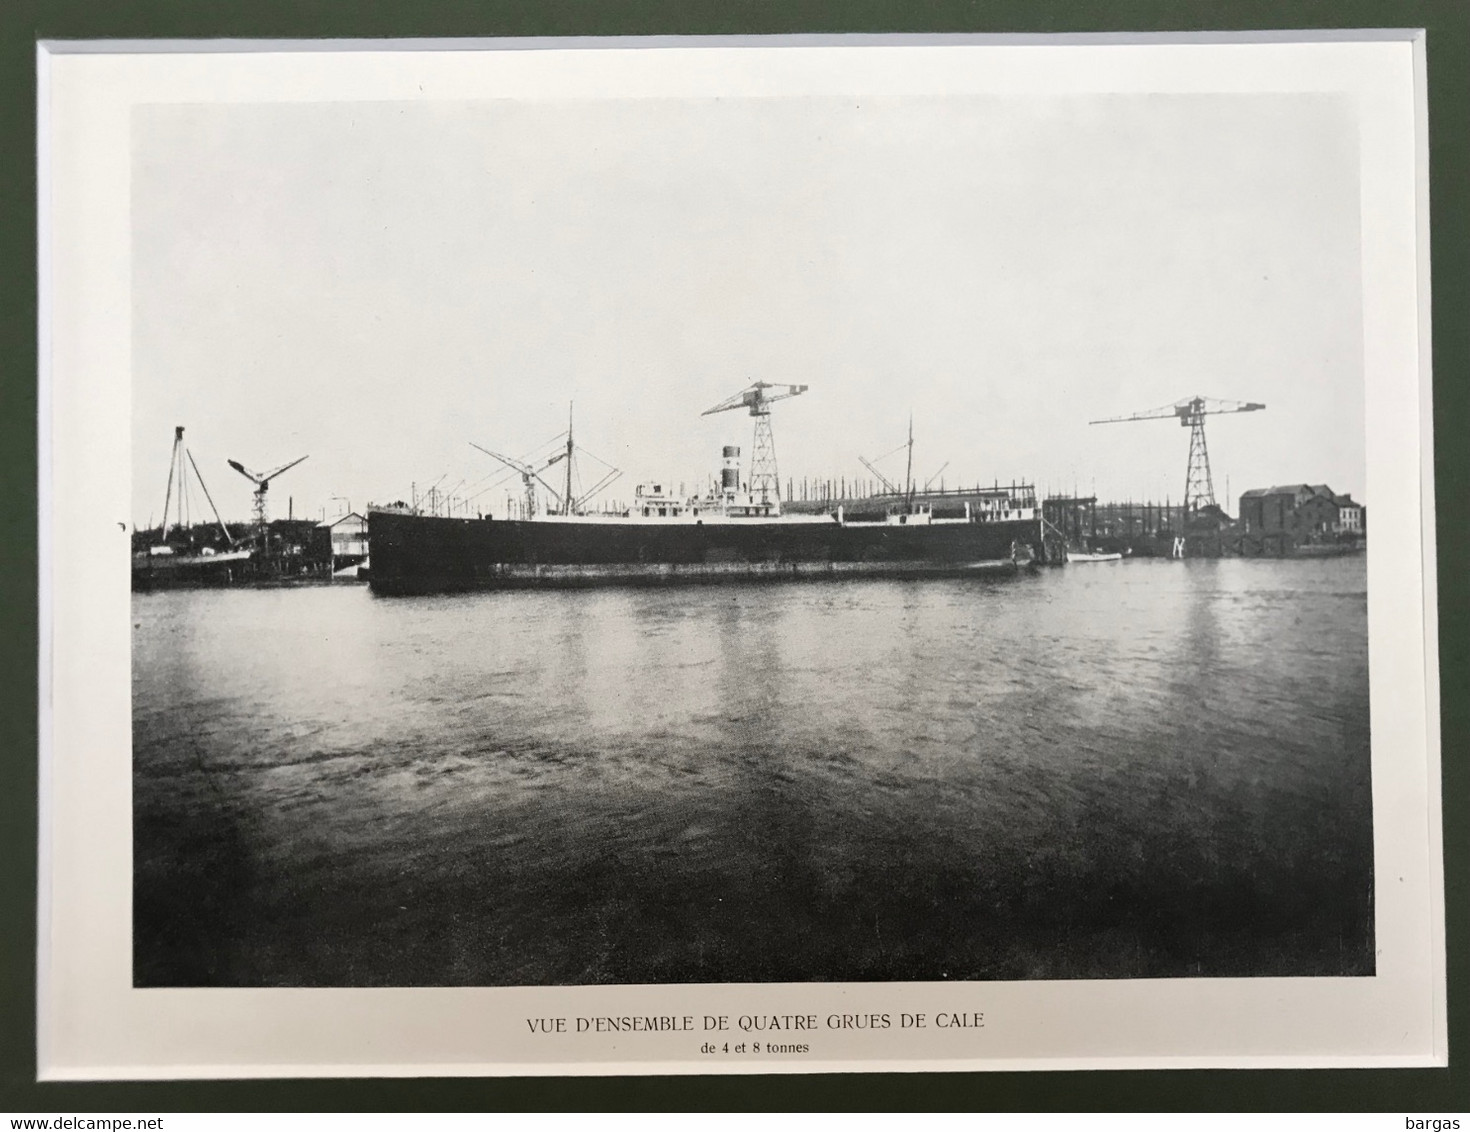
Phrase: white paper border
(92, 1023)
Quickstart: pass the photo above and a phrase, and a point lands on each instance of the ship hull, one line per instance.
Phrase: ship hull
(415, 554)
(167, 572)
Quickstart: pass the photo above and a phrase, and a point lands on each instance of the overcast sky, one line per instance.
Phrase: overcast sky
(377, 285)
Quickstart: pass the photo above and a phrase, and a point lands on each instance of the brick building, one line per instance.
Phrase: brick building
(1278, 520)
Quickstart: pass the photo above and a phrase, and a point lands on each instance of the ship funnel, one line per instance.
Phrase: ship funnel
(730, 469)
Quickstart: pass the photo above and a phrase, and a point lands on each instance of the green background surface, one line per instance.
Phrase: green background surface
(1421, 1091)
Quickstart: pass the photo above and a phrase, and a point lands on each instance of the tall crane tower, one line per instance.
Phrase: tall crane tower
(1199, 486)
(262, 482)
(758, 398)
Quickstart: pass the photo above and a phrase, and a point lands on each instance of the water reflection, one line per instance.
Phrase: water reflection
(1113, 770)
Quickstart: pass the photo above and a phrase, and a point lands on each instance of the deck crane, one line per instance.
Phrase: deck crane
(262, 482)
(910, 486)
(531, 476)
(928, 483)
(888, 485)
(1199, 486)
(758, 397)
(568, 501)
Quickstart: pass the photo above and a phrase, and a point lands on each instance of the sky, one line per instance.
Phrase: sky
(378, 285)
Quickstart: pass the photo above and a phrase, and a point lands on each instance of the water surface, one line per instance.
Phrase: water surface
(1146, 768)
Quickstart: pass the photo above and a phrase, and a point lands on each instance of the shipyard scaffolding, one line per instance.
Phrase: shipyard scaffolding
(1143, 529)
(1072, 519)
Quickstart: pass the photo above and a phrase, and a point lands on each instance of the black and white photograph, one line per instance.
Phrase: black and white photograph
(667, 541)
(751, 537)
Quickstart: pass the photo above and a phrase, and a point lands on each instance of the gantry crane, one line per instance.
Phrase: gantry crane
(758, 398)
(1199, 486)
(262, 482)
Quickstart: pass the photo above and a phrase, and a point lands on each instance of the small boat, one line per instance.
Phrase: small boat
(184, 563)
(1088, 556)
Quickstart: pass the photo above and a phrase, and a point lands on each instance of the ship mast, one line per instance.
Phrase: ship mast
(908, 474)
(174, 463)
(560, 504)
(567, 509)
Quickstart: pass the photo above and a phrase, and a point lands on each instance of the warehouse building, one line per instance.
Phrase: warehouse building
(1291, 518)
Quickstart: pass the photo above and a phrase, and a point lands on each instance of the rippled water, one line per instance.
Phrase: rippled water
(1108, 770)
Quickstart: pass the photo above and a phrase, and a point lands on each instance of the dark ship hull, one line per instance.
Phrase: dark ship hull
(415, 554)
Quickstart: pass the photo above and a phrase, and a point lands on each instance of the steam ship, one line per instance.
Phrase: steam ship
(730, 533)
